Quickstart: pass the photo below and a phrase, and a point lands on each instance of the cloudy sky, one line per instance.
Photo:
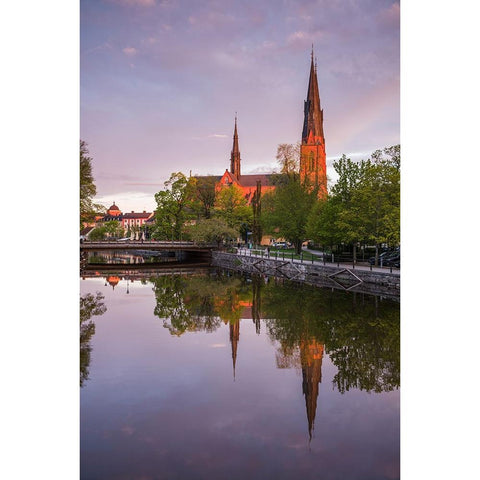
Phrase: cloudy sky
(161, 80)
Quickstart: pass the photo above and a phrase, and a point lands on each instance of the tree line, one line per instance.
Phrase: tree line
(362, 206)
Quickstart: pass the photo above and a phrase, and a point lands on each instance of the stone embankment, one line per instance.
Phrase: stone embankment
(344, 277)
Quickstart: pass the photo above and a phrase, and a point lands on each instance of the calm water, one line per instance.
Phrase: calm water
(214, 376)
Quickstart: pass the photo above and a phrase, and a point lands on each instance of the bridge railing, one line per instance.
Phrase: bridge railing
(139, 243)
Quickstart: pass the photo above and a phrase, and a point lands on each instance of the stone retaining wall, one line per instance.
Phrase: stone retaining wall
(365, 281)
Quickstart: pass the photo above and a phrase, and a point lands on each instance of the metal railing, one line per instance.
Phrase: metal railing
(309, 258)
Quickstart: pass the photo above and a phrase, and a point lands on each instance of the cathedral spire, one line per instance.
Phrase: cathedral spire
(235, 155)
(313, 120)
(313, 168)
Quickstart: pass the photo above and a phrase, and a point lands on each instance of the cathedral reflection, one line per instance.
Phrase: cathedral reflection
(311, 355)
(234, 338)
(307, 357)
(360, 334)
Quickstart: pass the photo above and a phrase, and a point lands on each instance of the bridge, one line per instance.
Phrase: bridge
(146, 245)
(171, 254)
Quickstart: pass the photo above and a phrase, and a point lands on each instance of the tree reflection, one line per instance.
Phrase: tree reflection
(190, 304)
(360, 333)
(90, 305)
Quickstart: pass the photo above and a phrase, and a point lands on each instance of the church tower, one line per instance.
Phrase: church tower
(235, 155)
(313, 165)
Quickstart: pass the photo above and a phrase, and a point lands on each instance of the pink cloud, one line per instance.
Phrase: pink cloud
(130, 51)
(390, 16)
(135, 3)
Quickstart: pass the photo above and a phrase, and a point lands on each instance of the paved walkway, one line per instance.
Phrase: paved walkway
(359, 266)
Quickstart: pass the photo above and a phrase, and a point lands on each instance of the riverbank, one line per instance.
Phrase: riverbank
(359, 279)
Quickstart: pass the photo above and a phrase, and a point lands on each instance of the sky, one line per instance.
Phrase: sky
(162, 80)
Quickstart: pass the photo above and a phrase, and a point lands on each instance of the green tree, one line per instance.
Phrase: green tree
(172, 208)
(285, 211)
(88, 190)
(376, 199)
(364, 203)
(212, 230)
(232, 207)
(98, 233)
(202, 199)
(321, 223)
(113, 228)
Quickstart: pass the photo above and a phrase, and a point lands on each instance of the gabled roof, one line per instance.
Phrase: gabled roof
(137, 215)
(230, 177)
(251, 180)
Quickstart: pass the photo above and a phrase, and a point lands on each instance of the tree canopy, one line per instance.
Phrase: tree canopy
(364, 203)
(88, 190)
(172, 207)
(285, 210)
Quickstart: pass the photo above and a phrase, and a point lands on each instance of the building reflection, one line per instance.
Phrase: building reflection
(112, 280)
(360, 337)
(311, 355)
(234, 338)
(307, 356)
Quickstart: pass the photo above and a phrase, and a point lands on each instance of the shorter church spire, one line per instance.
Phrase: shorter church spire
(235, 155)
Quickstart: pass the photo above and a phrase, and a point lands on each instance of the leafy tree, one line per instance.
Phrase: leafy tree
(171, 212)
(202, 199)
(232, 207)
(98, 233)
(364, 203)
(376, 199)
(321, 223)
(113, 228)
(212, 230)
(88, 190)
(285, 211)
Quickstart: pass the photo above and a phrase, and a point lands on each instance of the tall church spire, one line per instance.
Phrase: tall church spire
(235, 155)
(313, 166)
(313, 114)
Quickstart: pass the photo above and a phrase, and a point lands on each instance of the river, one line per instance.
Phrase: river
(210, 375)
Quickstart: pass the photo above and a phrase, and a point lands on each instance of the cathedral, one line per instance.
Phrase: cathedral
(313, 167)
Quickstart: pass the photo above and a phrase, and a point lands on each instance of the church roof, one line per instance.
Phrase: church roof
(114, 207)
(251, 180)
(137, 215)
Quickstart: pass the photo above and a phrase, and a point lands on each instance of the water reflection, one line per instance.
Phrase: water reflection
(90, 305)
(360, 333)
(118, 257)
(184, 386)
